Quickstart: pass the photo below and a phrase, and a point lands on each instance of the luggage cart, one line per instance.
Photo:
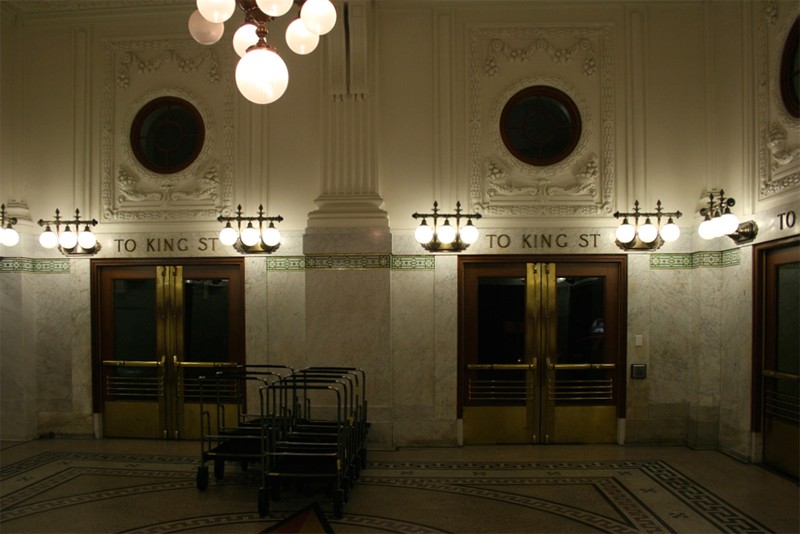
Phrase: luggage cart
(308, 434)
(232, 437)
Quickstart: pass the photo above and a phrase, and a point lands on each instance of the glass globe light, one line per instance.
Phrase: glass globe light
(48, 239)
(68, 239)
(319, 16)
(228, 235)
(300, 40)
(424, 233)
(446, 233)
(469, 234)
(648, 232)
(244, 38)
(262, 76)
(250, 235)
(271, 236)
(706, 229)
(275, 8)
(204, 31)
(8, 236)
(626, 232)
(216, 10)
(728, 223)
(86, 239)
(670, 231)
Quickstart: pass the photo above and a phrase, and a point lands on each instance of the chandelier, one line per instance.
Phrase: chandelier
(261, 74)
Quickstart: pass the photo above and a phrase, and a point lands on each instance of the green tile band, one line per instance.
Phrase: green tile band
(32, 265)
(695, 260)
(351, 262)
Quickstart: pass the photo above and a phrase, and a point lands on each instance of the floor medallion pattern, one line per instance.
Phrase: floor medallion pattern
(106, 491)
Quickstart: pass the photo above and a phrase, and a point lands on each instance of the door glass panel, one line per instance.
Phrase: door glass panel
(135, 320)
(501, 320)
(788, 317)
(581, 320)
(206, 320)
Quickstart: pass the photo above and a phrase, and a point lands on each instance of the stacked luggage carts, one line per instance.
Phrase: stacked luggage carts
(311, 427)
(315, 428)
(230, 432)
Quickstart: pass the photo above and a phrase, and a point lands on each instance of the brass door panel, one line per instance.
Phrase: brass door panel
(539, 364)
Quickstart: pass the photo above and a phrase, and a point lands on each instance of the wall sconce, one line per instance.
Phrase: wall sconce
(648, 236)
(718, 220)
(251, 240)
(8, 236)
(446, 237)
(78, 242)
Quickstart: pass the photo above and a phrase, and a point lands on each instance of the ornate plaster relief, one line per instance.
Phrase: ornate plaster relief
(576, 60)
(137, 72)
(778, 131)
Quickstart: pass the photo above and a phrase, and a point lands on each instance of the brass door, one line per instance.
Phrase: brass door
(778, 353)
(540, 351)
(158, 330)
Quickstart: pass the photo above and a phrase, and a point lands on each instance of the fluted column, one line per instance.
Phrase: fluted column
(349, 192)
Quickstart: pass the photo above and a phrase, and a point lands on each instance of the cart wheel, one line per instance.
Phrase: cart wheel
(219, 469)
(263, 502)
(338, 503)
(202, 478)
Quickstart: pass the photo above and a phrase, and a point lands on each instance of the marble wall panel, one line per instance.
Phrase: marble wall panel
(256, 316)
(446, 338)
(286, 323)
(413, 357)
(348, 323)
(671, 353)
(81, 338)
(736, 356)
(55, 315)
(17, 366)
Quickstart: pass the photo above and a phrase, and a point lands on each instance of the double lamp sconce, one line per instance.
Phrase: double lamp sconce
(447, 232)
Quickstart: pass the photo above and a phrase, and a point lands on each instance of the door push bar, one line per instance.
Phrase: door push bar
(579, 366)
(503, 366)
(133, 363)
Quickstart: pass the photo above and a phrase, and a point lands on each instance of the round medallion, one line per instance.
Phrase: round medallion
(540, 125)
(167, 134)
(790, 71)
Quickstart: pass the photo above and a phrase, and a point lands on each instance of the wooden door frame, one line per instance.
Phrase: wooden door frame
(621, 262)
(97, 265)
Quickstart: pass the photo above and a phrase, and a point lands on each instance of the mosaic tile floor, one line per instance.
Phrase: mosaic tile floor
(135, 486)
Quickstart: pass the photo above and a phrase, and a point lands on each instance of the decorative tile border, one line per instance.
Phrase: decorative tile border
(286, 263)
(695, 260)
(414, 263)
(351, 262)
(31, 265)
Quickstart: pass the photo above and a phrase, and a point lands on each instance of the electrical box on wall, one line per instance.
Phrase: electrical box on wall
(638, 370)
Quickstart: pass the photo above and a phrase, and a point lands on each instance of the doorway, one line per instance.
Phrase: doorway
(158, 329)
(777, 346)
(542, 352)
